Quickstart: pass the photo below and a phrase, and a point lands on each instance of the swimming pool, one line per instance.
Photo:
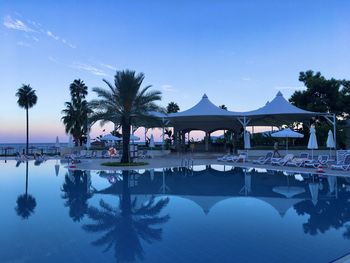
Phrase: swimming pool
(210, 213)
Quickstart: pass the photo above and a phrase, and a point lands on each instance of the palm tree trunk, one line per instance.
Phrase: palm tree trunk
(126, 198)
(126, 138)
(26, 179)
(27, 146)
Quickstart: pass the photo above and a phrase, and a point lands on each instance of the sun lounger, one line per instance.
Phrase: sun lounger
(344, 166)
(242, 157)
(321, 160)
(224, 158)
(282, 161)
(264, 159)
(299, 161)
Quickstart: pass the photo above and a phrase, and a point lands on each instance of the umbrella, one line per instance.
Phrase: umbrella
(151, 141)
(330, 141)
(151, 173)
(287, 133)
(70, 142)
(246, 140)
(110, 137)
(314, 192)
(57, 169)
(88, 142)
(332, 180)
(57, 144)
(312, 144)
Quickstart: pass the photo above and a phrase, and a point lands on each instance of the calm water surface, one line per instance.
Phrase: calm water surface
(205, 214)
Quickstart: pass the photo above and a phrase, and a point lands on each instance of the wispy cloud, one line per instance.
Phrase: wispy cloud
(108, 66)
(52, 35)
(68, 43)
(246, 79)
(91, 69)
(16, 24)
(52, 59)
(23, 44)
(168, 88)
(33, 30)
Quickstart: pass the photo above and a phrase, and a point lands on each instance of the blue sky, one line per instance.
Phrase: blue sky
(238, 52)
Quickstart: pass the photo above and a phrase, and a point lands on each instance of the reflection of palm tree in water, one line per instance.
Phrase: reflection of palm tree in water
(25, 203)
(126, 225)
(76, 191)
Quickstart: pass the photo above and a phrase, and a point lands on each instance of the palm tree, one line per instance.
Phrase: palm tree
(26, 99)
(125, 103)
(172, 107)
(126, 225)
(25, 203)
(75, 114)
(76, 192)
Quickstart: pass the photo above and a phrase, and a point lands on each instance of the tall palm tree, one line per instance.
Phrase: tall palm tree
(126, 104)
(26, 99)
(123, 227)
(25, 202)
(76, 192)
(75, 114)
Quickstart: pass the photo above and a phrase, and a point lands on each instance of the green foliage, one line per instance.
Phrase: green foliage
(223, 106)
(172, 107)
(323, 95)
(125, 103)
(76, 112)
(26, 97)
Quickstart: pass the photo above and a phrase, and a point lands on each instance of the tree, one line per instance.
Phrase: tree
(223, 106)
(125, 103)
(26, 99)
(76, 192)
(76, 112)
(323, 95)
(172, 107)
(124, 226)
(25, 202)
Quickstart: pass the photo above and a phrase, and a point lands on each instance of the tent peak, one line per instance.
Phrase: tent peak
(205, 96)
(279, 93)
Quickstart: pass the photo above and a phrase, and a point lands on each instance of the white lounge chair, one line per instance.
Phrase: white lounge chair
(282, 161)
(264, 159)
(299, 161)
(224, 158)
(242, 157)
(321, 160)
(344, 166)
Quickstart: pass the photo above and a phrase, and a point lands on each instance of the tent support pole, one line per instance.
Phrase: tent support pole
(244, 123)
(335, 131)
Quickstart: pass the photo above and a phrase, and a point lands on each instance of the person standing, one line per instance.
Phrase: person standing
(275, 150)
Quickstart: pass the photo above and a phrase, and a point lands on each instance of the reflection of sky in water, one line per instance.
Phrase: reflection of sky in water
(211, 219)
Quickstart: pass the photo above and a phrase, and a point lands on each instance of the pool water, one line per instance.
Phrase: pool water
(204, 214)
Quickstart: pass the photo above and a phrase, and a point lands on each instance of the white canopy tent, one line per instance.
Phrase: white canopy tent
(207, 117)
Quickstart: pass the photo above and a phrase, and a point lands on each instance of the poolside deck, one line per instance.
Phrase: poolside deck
(176, 160)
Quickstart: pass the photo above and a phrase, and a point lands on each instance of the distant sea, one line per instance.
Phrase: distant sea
(19, 147)
(33, 147)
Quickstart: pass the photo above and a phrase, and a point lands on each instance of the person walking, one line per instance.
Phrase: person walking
(275, 150)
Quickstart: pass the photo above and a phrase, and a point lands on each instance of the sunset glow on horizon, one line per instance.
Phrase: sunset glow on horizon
(238, 55)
